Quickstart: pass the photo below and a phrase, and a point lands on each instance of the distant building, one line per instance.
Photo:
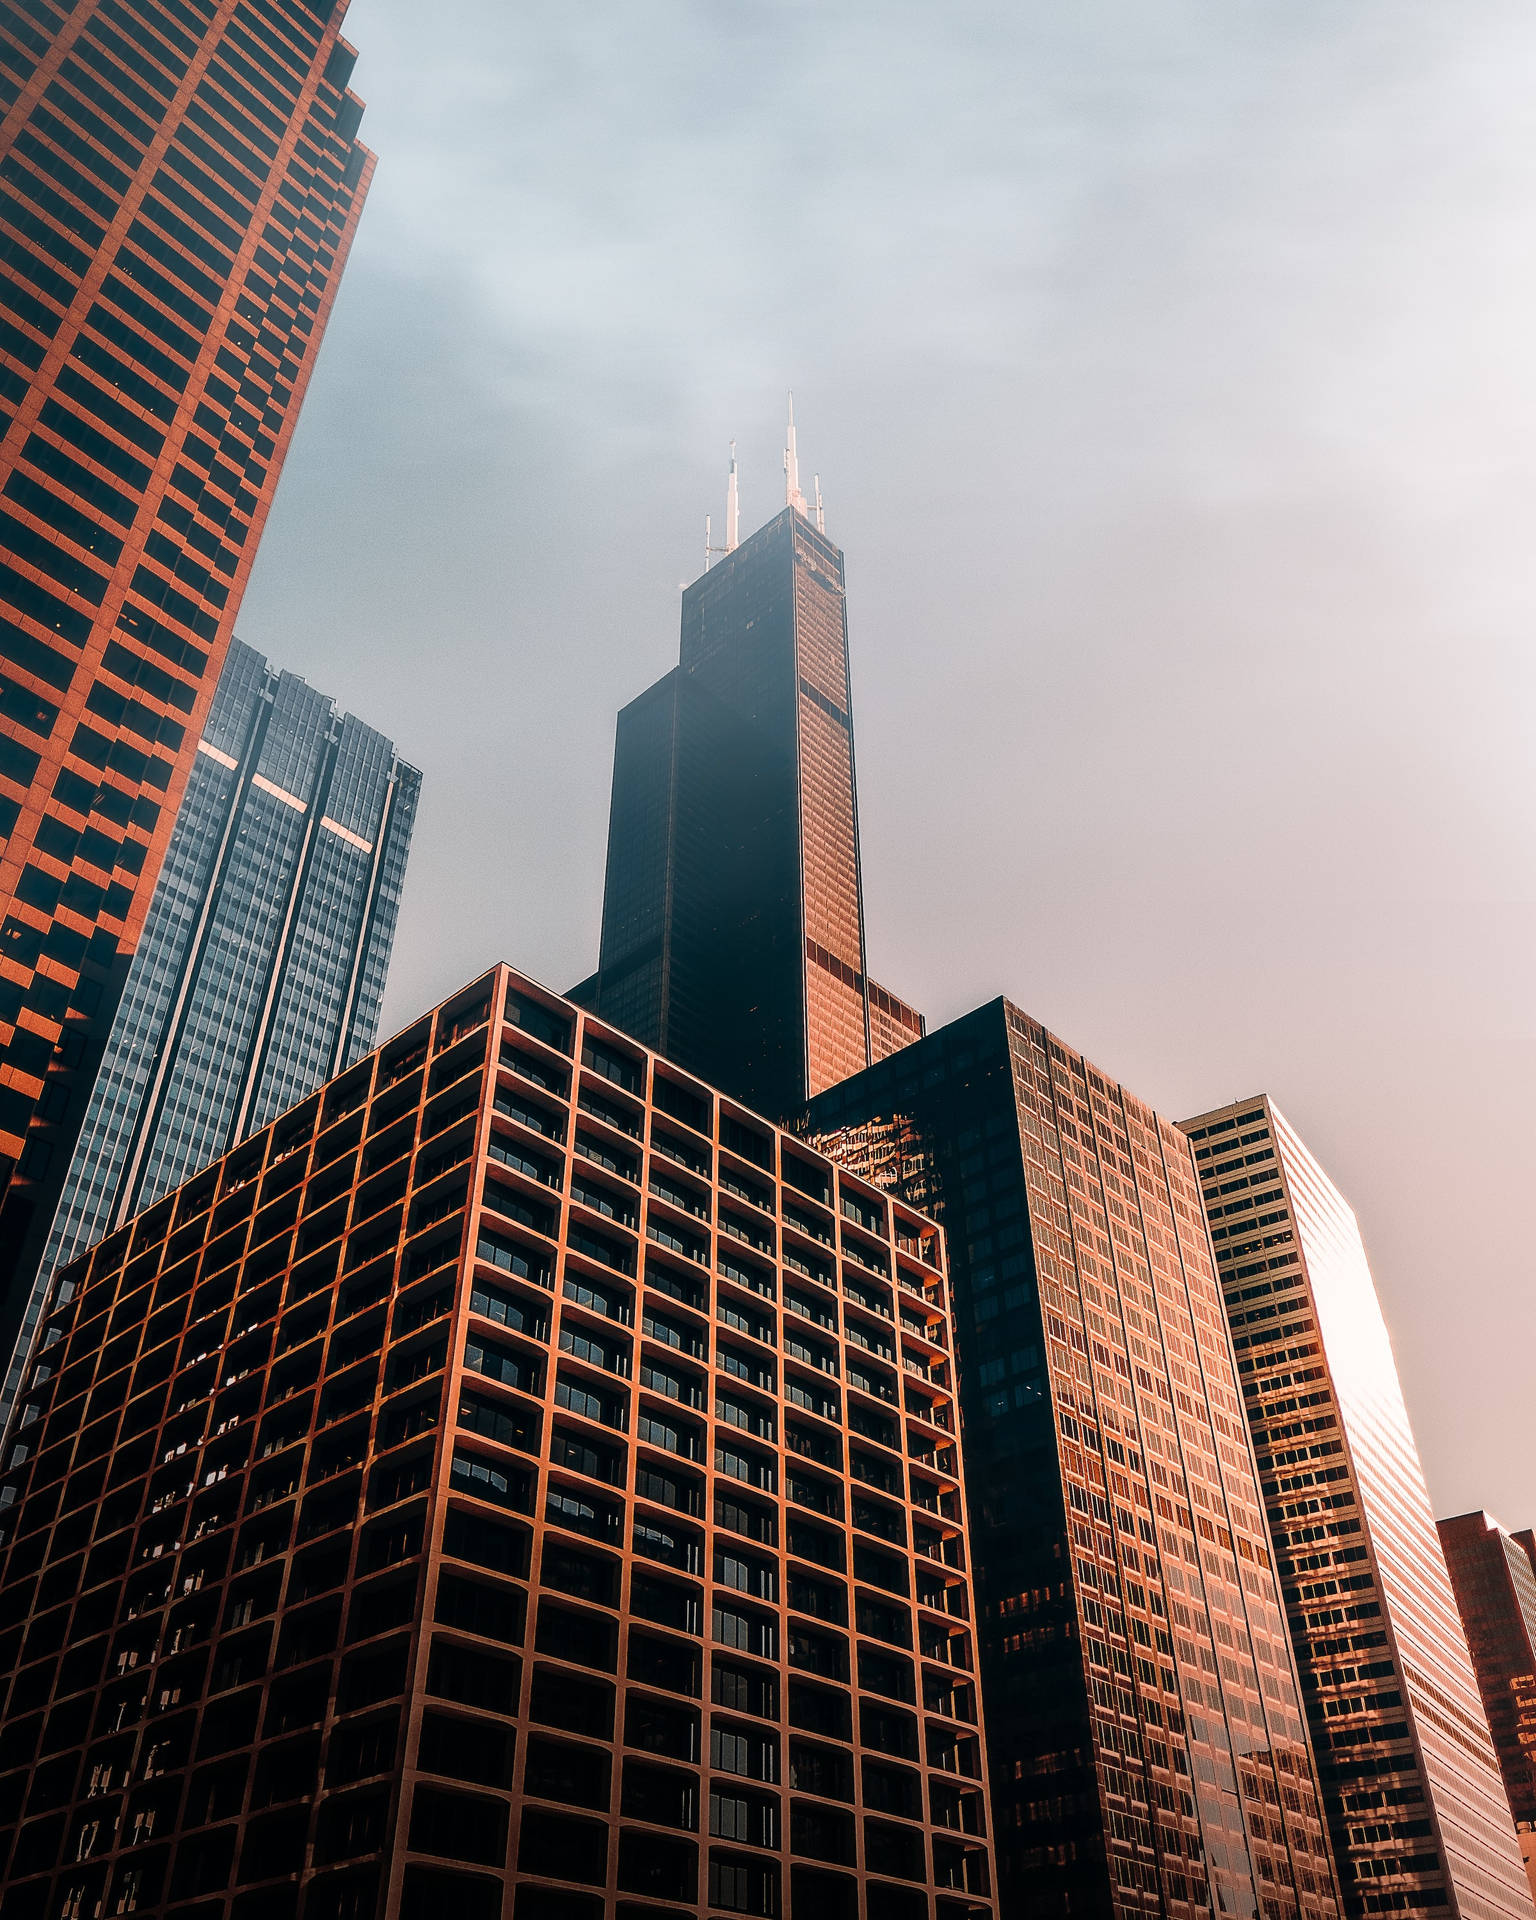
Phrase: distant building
(733, 915)
(1494, 1581)
(261, 968)
(181, 187)
(1418, 1810)
(517, 1482)
(1147, 1752)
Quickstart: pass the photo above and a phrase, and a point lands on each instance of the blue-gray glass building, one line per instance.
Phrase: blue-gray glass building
(262, 966)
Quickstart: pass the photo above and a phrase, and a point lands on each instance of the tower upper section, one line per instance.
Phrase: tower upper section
(733, 924)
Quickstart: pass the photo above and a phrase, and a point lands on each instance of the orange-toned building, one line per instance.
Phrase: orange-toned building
(180, 181)
(1493, 1575)
(518, 1483)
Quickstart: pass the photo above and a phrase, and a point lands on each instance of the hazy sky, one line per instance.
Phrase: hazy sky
(1169, 371)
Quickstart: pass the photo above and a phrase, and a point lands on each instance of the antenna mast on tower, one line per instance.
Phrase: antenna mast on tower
(732, 517)
(793, 497)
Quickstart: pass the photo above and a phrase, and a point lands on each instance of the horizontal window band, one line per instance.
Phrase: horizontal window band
(345, 833)
(280, 793)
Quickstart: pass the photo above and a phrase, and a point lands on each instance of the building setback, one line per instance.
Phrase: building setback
(733, 915)
(515, 1482)
(181, 183)
(261, 968)
(1146, 1750)
(1494, 1581)
(1419, 1816)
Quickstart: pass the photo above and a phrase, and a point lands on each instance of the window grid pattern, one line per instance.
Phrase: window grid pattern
(1493, 1575)
(237, 1004)
(181, 188)
(1147, 1752)
(513, 1469)
(1419, 1813)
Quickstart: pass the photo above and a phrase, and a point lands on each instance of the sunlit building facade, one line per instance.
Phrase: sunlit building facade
(516, 1484)
(1494, 1580)
(733, 917)
(1147, 1750)
(1419, 1815)
(181, 185)
(261, 969)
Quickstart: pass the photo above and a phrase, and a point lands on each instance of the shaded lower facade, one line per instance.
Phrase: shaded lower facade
(1146, 1748)
(701, 949)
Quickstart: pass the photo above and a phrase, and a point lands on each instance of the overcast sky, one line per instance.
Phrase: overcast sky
(1169, 371)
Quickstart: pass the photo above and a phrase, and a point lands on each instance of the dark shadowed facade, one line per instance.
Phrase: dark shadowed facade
(733, 917)
(1147, 1751)
(517, 1484)
(1418, 1811)
(181, 183)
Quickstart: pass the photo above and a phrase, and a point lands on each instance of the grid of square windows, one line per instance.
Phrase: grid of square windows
(589, 1443)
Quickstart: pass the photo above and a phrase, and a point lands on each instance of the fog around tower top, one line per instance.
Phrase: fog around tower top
(1169, 380)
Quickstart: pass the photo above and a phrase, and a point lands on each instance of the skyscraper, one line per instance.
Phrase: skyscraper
(180, 181)
(517, 1482)
(1420, 1819)
(261, 968)
(1146, 1749)
(1494, 1581)
(733, 916)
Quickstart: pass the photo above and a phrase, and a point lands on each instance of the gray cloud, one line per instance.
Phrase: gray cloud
(1169, 374)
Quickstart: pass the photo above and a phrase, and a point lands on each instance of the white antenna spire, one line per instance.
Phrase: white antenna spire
(732, 518)
(793, 497)
(819, 512)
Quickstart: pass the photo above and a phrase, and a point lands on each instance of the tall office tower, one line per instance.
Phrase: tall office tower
(1494, 1582)
(1419, 1816)
(733, 916)
(515, 1482)
(1146, 1750)
(262, 963)
(179, 186)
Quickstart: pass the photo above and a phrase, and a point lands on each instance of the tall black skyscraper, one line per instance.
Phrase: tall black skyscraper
(733, 918)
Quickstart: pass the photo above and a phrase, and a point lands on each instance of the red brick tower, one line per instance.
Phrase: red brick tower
(179, 185)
